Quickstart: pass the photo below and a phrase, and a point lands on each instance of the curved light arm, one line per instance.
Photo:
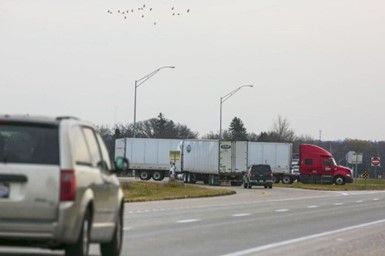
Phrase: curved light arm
(148, 76)
(227, 96)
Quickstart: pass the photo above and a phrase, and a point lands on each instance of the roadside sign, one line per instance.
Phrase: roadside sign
(365, 175)
(353, 157)
(376, 161)
(174, 155)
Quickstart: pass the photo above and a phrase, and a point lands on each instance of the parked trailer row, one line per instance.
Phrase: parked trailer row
(210, 161)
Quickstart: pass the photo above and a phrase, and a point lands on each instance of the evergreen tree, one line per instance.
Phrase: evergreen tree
(237, 129)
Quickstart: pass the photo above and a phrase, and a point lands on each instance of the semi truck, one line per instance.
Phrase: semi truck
(217, 161)
(317, 165)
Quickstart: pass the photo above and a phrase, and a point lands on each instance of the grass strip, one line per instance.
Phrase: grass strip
(358, 184)
(140, 191)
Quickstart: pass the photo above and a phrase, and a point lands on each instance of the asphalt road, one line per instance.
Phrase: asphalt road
(255, 222)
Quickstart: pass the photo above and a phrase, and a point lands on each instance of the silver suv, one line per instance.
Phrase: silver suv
(58, 189)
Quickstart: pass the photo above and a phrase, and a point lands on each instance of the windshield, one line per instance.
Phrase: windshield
(260, 169)
(28, 143)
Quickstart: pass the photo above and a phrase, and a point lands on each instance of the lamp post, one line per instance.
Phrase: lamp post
(139, 82)
(223, 99)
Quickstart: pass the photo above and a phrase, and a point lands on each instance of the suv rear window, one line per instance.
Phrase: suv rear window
(29, 143)
(260, 169)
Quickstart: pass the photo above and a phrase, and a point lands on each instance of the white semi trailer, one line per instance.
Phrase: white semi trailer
(149, 158)
(210, 161)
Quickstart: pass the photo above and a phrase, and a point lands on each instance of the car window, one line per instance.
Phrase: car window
(309, 161)
(29, 143)
(92, 146)
(260, 169)
(103, 148)
(79, 147)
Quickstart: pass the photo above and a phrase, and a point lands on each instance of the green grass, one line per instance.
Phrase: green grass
(150, 191)
(358, 184)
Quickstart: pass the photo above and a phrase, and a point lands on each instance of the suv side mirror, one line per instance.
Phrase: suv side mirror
(121, 164)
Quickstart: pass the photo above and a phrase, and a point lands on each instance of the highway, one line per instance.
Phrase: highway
(255, 222)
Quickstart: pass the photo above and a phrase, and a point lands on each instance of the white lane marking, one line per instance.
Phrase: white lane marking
(127, 228)
(302, 239)
(339, 204)
(376, 199)
(282, 210)
(312, 206)
(188, 221)
(241, 214)
(359, 201)
(345, 194)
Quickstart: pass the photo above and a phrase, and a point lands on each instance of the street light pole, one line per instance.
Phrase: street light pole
(223, 99)
(138, 83)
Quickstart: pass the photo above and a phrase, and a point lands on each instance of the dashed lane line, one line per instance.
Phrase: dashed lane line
(241, 214)
(188, 221)
(282, 210)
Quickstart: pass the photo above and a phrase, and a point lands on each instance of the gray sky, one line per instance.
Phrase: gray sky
(318, 63)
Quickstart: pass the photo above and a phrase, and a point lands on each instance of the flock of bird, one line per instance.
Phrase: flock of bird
(144, 11)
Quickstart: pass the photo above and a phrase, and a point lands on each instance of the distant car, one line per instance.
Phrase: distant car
(58, 188)
(258, 175)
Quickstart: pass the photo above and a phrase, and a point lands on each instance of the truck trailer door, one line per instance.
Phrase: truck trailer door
(225, 159)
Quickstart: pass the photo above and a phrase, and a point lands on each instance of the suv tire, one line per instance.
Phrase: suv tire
(81, 247)
(114, 247)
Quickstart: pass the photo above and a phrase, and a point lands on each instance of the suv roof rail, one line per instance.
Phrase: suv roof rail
(59, 118)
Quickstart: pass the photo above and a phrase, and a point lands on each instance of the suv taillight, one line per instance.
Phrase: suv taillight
(67, 185)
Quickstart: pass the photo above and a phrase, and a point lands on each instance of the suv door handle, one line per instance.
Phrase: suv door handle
(13, 178)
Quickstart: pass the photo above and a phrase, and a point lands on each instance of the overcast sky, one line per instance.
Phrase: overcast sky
(318, 63)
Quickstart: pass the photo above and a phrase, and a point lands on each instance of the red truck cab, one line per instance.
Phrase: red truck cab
(318, 166)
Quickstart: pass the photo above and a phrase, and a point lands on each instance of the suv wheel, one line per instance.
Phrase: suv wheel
(114, 247)
(81, 247)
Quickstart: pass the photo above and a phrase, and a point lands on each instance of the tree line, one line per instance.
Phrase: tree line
(161, 127)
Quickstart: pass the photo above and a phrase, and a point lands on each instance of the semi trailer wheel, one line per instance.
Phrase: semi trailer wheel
(157, 175)
(287, 180)
(144, 175)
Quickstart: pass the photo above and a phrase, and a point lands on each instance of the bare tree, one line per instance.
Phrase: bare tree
(281, 131)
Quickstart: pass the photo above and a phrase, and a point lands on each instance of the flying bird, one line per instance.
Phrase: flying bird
(150, 9)
(173, 14)
(144, 6)
(188, 10)
(154, 23)
(142, 16)
(172, 8)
